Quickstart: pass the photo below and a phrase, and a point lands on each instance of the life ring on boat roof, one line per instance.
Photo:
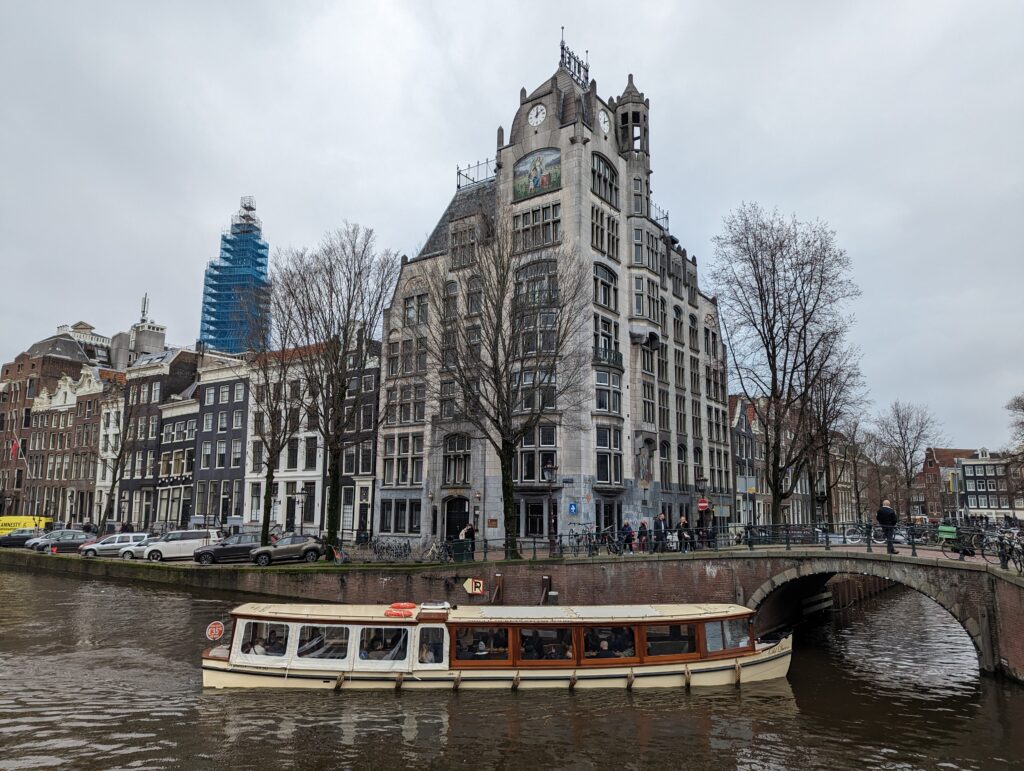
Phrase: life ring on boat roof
(404, 605)
(397, 613)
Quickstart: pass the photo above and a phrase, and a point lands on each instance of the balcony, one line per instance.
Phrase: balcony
(607, 357)
(537, 298)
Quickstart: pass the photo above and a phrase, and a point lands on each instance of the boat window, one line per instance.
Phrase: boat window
(727, 635)
(383, 643)
(323, 642)
(431, 645)
(546, 643)
(260, 638)
(608, 642)
(482, 643)
(671, 640)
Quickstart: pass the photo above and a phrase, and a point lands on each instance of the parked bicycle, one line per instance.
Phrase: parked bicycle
(437, 551)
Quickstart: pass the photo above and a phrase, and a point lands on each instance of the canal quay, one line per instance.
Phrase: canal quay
(105, 674)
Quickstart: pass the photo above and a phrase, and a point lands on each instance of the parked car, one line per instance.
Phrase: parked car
(111, 545)
(66, 542)
(234, 547)
(290, 547)
(20, 536)
(135, 551)
(179, 544)
(33, 543)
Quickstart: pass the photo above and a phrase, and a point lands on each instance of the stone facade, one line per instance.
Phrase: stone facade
(579, 166)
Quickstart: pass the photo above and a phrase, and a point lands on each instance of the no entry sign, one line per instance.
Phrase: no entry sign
(703, 504)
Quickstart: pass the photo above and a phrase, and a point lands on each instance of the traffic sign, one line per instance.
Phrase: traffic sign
(703, 504)
(573, 509)
(215, 631)
(473, 586)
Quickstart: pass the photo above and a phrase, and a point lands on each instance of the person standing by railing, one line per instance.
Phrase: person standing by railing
(683, 534)
(660, 532)
(886, 517)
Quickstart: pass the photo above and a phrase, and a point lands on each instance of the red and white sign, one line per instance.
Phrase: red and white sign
(215, 631)
(703, 504)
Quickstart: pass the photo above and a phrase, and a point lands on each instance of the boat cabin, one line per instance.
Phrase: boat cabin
(436, 636)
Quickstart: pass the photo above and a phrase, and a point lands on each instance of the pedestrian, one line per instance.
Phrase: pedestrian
(660, 532)
(627, 537)
(641, 535)
(886, 517)
(683, 533)
(126, 527)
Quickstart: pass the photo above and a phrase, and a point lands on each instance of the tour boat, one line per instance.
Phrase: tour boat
(436, 645)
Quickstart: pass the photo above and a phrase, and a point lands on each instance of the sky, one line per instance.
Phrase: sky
(129, 131)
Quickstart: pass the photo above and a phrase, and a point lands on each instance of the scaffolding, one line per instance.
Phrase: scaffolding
(232, 282)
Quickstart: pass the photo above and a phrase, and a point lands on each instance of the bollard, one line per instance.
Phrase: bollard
(750, 539)
(1004, 562)
(485, 550)
(844, 536)
(828, 546)
(868, 539)
(786, 531)
(962, 546)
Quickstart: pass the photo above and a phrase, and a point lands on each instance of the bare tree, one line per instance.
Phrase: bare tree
(782, 287)
(905, 431)
(1014, 454)
(512, 351)
(277, 391)
(338, 291)
(835, 398)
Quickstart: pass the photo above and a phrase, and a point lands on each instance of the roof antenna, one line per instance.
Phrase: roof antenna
(563, 33)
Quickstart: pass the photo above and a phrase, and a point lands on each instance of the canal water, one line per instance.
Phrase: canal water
(104, 675)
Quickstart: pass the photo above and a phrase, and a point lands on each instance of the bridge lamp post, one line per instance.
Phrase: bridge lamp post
(701, 484)
(550, 472)
(300, 506)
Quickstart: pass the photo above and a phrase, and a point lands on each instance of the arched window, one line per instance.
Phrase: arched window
(604, 180)
(693, 333)
(537, 283)
(456, 459)
(474, 295)
(606, 288)
(665, 456)
(677, 324)
(451, 300)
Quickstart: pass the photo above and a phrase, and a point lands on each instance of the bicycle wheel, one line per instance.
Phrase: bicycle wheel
(1017, 557)
(877, 535)
(948, 547)
(990, 551)
(853, 534)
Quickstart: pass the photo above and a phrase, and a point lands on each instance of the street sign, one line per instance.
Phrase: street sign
(573, 509)
(215, 631)
(703, 504)
(473, 586)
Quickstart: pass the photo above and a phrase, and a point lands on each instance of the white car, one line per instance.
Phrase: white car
(135, 551)
(179, 544)
(111, 545)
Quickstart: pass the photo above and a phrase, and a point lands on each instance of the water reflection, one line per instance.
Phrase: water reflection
(100, 674)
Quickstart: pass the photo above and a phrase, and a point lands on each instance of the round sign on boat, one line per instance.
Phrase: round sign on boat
(215, 631)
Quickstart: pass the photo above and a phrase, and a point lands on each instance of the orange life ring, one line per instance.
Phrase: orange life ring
(396, 613)
(403, 605)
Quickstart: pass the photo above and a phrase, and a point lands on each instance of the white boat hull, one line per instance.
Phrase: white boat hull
(766, 664)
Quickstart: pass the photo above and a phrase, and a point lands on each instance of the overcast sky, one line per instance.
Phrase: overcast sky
(128, 132)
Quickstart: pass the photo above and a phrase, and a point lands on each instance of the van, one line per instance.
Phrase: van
(179, 544)
(7, 524)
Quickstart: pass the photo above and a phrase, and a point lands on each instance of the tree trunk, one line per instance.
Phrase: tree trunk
(508, 501)
(334, 496)
(268, 504)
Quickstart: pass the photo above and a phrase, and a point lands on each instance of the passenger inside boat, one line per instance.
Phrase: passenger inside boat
(383, 643)
(616, 640)
(431, 646)
(482, 643)
(264, 639)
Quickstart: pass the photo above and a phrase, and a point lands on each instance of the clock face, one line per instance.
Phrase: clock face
(537, 114)
(602, 119)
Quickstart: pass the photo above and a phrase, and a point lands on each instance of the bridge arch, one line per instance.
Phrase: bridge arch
(950, 595)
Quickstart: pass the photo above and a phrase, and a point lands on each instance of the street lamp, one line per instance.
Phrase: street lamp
(700, 483)
(71, 505)
(300, 505)
(550, 472)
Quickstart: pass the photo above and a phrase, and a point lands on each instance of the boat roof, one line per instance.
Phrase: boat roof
(504, 614)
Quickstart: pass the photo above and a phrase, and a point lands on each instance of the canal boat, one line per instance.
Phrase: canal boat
(436, 645)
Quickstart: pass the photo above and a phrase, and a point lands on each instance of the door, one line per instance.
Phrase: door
(456, 516)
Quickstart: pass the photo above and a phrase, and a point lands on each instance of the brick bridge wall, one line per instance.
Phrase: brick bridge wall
(987, 602)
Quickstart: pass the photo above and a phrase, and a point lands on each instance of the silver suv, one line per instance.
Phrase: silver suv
(290, 547)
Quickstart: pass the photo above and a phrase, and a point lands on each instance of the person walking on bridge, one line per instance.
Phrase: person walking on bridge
(886, 517)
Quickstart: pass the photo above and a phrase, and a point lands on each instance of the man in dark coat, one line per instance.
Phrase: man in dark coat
(660, 532)
(886, 517)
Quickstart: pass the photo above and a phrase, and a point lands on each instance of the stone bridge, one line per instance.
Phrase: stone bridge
(986, 601)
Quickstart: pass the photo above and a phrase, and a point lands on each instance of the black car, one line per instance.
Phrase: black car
(19, 537)
(234, 547)
(69, 541)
